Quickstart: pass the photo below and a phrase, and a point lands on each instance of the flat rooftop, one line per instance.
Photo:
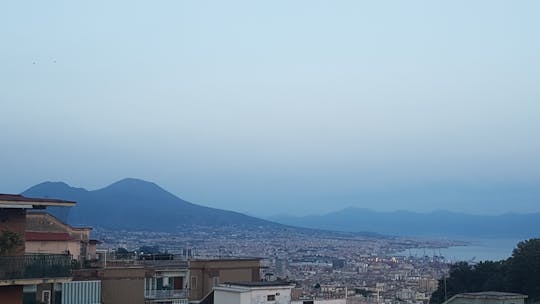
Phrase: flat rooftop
(218, 259)
(491, 295)
(19, 201)
(259, 283)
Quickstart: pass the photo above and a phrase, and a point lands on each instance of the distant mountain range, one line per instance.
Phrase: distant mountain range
(140, 205)
(137, 205)
(434, 224)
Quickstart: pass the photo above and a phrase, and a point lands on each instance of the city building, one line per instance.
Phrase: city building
(272, 292)
(205, 274)
(21, 271)
(117, 284)
(47, 234)
(166, 281)
(487, 297)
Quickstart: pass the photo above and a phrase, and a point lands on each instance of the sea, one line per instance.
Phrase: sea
(476, 250)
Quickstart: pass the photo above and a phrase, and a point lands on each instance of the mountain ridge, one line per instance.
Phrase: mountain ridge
(137, 204)
(439, 223)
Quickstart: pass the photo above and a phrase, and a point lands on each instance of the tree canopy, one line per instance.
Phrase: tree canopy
(520, 274)
(9, 240)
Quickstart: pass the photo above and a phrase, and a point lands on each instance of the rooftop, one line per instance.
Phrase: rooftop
(47, 236)
(491, 295)
(259, 283)
(226, 258)
(19, 201)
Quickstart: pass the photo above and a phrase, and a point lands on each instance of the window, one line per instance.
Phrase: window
(193, 282)
(270, 297)
(46, 297)
(30, 288)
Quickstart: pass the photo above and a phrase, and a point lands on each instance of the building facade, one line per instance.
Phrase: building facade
(21, 271)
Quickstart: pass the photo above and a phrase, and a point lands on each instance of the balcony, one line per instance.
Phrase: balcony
(35, 266)
(153, 294)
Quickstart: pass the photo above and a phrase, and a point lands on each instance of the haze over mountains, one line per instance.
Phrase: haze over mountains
(434, 224)
(140, 205)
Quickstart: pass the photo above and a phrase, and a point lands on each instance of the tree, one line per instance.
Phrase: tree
(149, 249)
(9, 240)
(524, 269)
(520, 274)
(122, 253)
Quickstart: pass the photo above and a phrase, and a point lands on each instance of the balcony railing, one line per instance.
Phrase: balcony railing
(35, 266)
(166, 294)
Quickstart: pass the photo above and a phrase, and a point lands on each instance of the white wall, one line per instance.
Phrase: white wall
(260, 296)
(253, 296)
(227, 297)
(333, 301)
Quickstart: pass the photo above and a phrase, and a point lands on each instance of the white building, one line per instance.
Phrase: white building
(330, 301)
(253, 293)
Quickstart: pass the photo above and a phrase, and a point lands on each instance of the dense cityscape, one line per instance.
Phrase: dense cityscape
(324, 265)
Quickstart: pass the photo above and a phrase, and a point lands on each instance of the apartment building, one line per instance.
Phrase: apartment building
(272, 292)
(20, 270)
(47, 234)
(205, 274)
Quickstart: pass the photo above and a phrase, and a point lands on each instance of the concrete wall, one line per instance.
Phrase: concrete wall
(208, 272)
(257, 295)
(122, 291)
(118, 285)
(125, 285)
(260, 296)
(227, 297)
(11, 294)
(54, 247)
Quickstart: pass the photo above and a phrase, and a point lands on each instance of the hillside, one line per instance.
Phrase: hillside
(137, 205)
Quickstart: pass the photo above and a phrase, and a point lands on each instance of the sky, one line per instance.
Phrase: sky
(272, 107)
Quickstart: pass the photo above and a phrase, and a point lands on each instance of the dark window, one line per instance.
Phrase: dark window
(271, 297)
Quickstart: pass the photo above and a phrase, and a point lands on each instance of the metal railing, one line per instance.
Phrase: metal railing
(112, 259)
(35, 266)
(166, 294)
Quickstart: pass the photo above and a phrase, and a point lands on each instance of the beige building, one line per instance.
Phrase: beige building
(206, 274)
(118, 284)
(19, 270)
(47, 234)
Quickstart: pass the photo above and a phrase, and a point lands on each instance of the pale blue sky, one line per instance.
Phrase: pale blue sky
(278, 106)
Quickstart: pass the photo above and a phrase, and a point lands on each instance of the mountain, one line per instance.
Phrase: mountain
(136, 205)
(434, 224)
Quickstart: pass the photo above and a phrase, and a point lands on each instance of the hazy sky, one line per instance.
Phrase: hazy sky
(277, 106)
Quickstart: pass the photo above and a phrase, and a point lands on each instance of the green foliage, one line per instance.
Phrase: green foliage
(150, 249)
(75, 264)
(524, 268)
(9, 240)
(520, 274)
(123, 253)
